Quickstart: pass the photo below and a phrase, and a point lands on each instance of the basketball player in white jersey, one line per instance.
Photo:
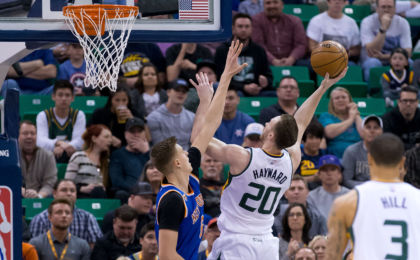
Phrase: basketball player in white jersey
(257, 180)
(382, 215)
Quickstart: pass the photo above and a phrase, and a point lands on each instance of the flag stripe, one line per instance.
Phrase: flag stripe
(193, 9)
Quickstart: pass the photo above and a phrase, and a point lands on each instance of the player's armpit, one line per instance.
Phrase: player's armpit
(167, 245)
(340, 219)
(236, 156)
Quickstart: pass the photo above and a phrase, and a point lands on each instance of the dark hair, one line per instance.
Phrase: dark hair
(26, 122)
(143, 176)
(315, 129)
(146, 228)
(377, 3)
(108, 104)
(96, 130)
(125, 213)
(163, 153)
(139, 83)
(403, 52)
(285, 131)
(409, 88)
(285, 223)
(58, 182)
(63, 84)
(60, 201)
(233, 87)
(297, 177)
(288, 77)
(240, 15)
(387, 149)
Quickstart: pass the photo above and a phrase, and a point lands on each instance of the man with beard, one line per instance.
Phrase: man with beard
(211, 184)
(58, 242)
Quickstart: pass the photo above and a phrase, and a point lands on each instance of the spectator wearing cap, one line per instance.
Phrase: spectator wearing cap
(355, 164)
(255, 79)
(122, 240)
(127, 163)
(140, 199)
(329, 173)
(171, 118)
(287, 95)
(252, 136)
(211, 233)
(182, 60)
(211, 184)
(234, 122)
(404, 120)
(89, 168)
(412, 164)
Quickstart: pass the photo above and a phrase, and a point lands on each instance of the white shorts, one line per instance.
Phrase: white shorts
(233, 246)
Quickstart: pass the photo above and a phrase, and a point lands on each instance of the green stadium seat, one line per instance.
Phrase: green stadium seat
(415, 55)
(357, 12)
(34, 207)
(303, 11)
(89, 104)
(98, 207)
(375, 87)
(61, 170)
(300, 73)
(414, 22)
(31, 105)
(253, 105)
(353, 82)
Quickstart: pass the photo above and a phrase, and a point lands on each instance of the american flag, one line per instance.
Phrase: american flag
(193, 9)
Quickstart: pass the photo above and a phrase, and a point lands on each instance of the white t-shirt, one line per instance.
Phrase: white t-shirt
(397, 35)
(322, 27)
(151, 102)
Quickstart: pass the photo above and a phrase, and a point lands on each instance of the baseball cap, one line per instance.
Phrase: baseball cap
(373, 117)
(254, 129)
(178, 83)
(212, 222)
(206, 63)
(329, 159)
(141, 188)
(133, 122)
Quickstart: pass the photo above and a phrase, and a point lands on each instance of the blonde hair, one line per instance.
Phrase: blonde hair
(331, 108)
(315, 239)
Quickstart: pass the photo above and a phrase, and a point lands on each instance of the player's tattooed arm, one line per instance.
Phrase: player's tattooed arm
(339, 221)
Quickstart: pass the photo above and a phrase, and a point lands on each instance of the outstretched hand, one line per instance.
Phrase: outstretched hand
(232, 66)
(204, 87)
(327, 82)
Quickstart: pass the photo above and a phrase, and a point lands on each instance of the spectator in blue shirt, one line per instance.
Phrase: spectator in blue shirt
(234, 122)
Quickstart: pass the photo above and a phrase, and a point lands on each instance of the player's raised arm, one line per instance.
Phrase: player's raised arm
(213, 115)
(304, 114)
(340, 219)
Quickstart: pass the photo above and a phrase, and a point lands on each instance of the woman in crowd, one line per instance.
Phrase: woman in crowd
(342, 123)
(319, 245)
(152, 175)
(296, 224)
(147, 94)
(89, 168)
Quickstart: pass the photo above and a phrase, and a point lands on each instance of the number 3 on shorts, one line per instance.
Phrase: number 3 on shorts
(402, 239)
(263, 193)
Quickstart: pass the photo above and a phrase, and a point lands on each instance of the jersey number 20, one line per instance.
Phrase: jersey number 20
(264, 195)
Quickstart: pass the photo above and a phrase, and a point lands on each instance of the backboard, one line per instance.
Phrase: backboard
(178, 20)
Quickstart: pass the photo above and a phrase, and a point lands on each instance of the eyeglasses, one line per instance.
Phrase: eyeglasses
(298, 214)
(408, 101)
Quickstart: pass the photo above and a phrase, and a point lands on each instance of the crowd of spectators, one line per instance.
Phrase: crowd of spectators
(108, 155)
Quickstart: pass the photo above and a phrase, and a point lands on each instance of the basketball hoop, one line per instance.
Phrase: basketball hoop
(103, 32)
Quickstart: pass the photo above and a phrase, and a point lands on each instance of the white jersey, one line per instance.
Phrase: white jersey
(387, 221)
(250, 199)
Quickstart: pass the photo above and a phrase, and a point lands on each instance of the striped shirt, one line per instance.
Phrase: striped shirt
(82, 170)
(84, 225)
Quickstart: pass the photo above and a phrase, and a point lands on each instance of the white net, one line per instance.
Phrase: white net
(103, 34)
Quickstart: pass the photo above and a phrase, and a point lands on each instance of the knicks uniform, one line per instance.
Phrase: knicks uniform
(387, 222)
(191, 229)
(248, 203)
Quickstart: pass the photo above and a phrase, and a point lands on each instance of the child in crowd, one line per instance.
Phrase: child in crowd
(398, 75)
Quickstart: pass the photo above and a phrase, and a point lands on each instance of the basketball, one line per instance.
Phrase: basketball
(329, 56)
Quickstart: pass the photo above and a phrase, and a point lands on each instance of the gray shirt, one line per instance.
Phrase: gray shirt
(356, 167)
(40, 173)
(163, 124)
(318, 227)
(78, 248)
(324, 199)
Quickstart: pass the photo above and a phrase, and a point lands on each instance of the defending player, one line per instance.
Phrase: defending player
(257, 180)
(179, 225)
(382, 214)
